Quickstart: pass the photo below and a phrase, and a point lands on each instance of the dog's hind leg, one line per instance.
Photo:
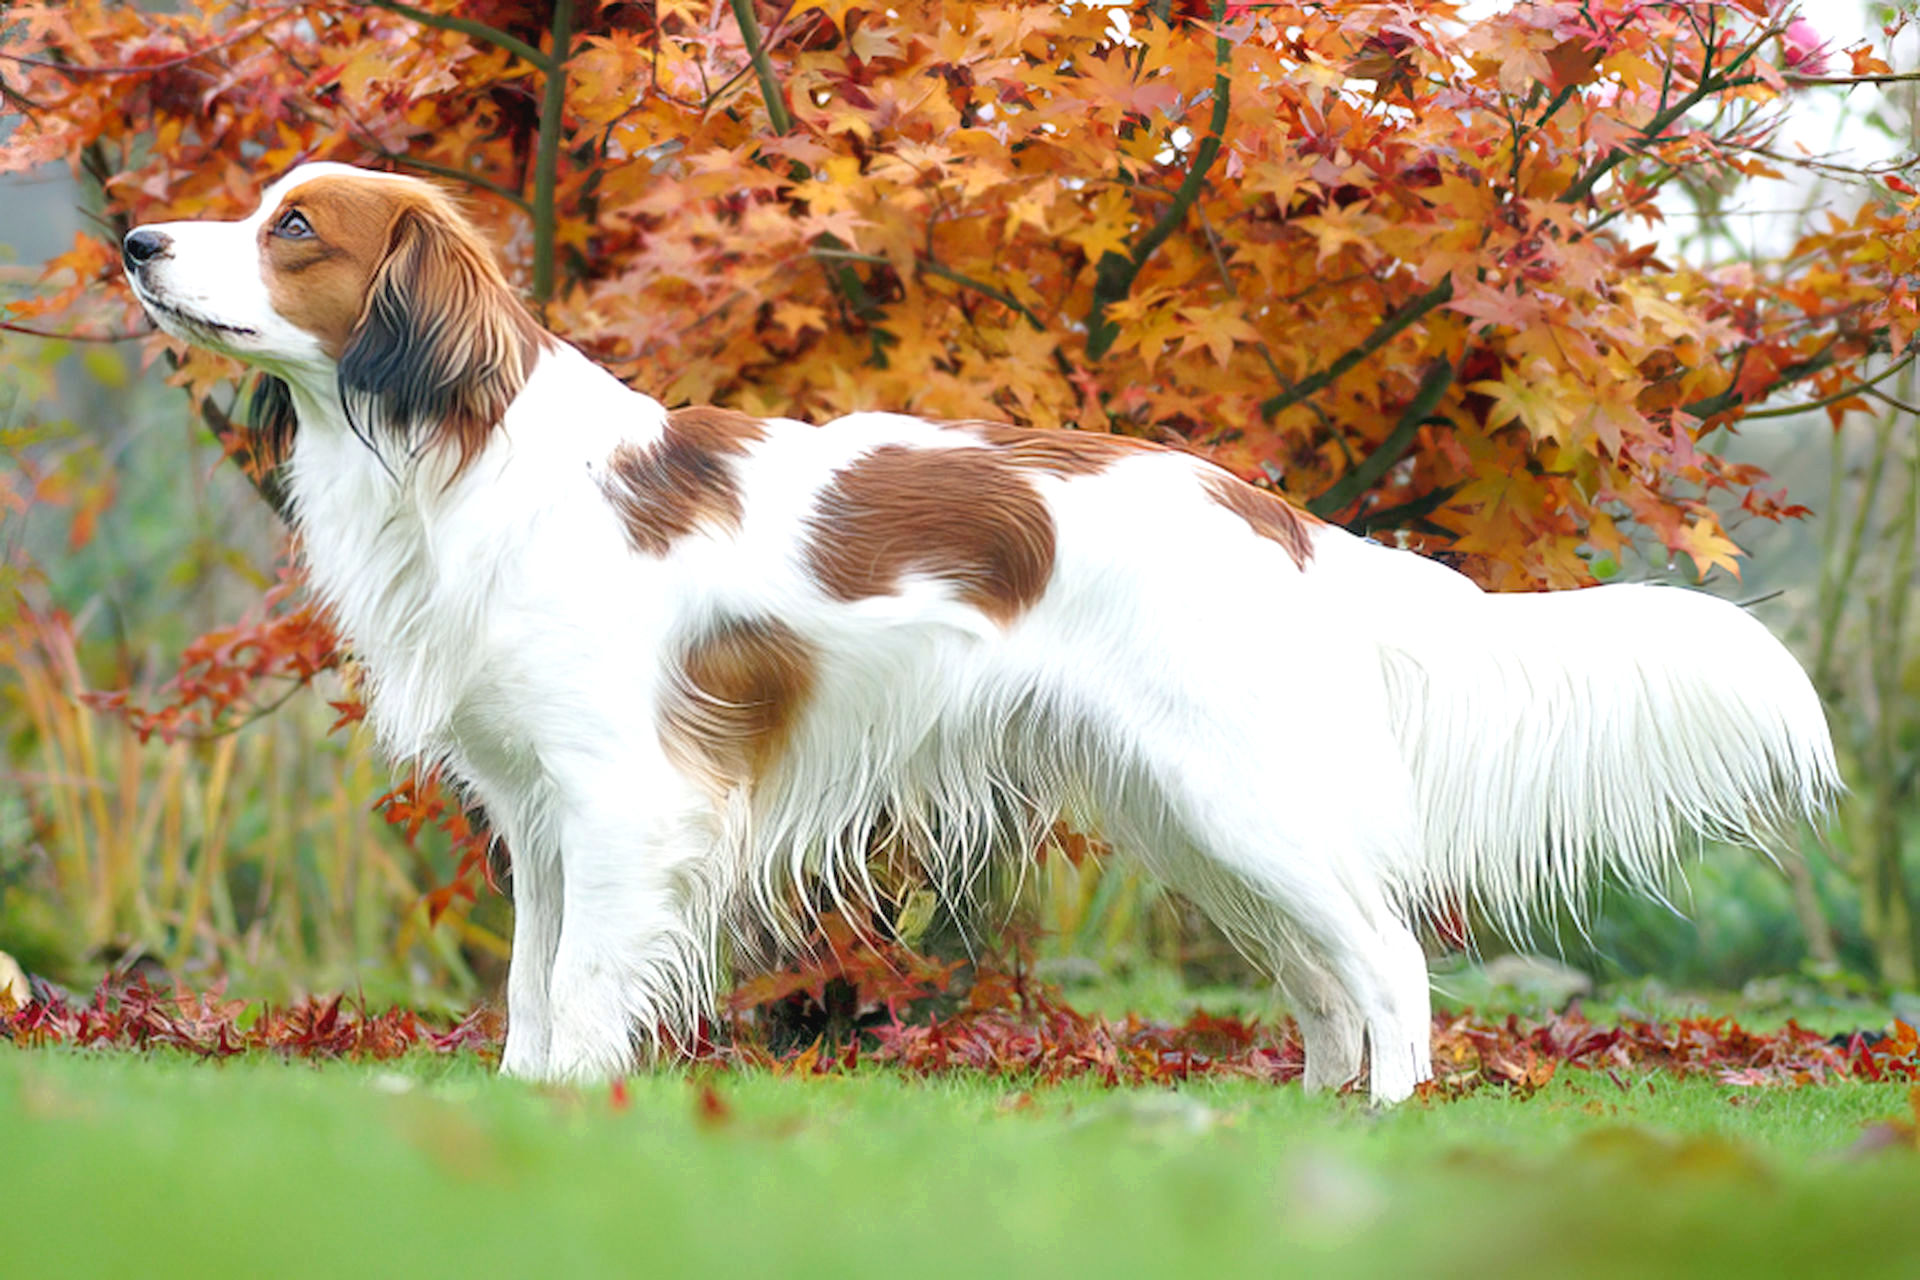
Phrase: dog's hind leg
(1332, 1032)
(1311, 884)
(1371, 958)
(1416, 995)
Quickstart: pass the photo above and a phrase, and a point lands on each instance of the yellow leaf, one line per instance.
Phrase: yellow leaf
(833, 192)
(1111, 228)
(1708, 546)
(1217, 329)
(1541, 406)
(836, 10)
(1338, 228)
(1031, 208)
(797, 317)
(869, 42)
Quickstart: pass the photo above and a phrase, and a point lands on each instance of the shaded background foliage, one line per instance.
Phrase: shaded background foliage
(1398, 264)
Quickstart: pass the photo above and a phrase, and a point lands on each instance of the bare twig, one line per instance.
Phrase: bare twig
(30, 332)
(452, 174)
(1845, 393)
(1902, 405)
(1885, 77)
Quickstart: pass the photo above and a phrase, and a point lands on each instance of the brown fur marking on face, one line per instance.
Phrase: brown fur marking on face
(1057, 452)
(320, 285)
(736, 694)
(965, 515)
(397, 286)
(1268, 514)
(686, 478)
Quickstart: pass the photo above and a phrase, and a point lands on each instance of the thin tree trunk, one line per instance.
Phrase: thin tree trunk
(1821, 947)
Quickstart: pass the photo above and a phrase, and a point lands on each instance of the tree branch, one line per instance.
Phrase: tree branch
(76, 69)
(8, 326)
(1114, 277)
(452, 174)
(552, 66)
(1889, 77)
(1388, 329)
(1708, 86)
(1415, 510)
(845, 280)
(471, 27)
(1718, 403)
(546, 161)
(1845, 393)
(833, 253)
(762, 67)
(1417, 307)
(1426, 398)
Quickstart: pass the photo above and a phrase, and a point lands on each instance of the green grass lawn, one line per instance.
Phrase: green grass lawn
(127, 1165)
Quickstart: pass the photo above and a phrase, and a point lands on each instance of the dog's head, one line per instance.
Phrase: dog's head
(368, 286)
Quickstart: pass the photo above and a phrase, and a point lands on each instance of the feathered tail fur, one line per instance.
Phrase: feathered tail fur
(1557, 738)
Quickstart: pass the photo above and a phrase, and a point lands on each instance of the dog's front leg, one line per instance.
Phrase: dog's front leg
(635, 958)
(536, 937)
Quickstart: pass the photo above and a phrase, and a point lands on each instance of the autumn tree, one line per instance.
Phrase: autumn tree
(1394, 263)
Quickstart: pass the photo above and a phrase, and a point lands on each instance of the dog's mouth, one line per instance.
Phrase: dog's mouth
(203, 326)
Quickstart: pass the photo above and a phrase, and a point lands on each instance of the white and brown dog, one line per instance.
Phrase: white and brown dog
(686, 658)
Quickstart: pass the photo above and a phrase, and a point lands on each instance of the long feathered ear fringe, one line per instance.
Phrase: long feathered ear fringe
(443, 347)
(272, 425)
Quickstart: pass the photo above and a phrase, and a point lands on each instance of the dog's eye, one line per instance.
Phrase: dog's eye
(293, 225)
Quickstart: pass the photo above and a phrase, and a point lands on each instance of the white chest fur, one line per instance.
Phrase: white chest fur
(442, 588)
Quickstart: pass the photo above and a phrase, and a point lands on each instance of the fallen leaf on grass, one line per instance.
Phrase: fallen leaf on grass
(1899, 1133)
(850, 1002)
(15, 990)
(449, 1136)
(710, 1110)
(1656, 1157)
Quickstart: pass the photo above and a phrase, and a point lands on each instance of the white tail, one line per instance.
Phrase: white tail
(1556, 738)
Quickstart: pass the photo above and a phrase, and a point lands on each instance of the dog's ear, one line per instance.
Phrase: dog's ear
(272, 425)
(443, 346)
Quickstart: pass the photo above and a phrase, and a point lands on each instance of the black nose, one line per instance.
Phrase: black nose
(142, 246)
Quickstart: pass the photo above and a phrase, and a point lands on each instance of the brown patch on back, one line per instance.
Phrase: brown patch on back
(683, 480)
(1268, 514)
(964, 515)
(1057, 452)
(737, 693)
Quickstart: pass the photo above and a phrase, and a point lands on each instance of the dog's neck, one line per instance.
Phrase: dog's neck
(408, 548)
